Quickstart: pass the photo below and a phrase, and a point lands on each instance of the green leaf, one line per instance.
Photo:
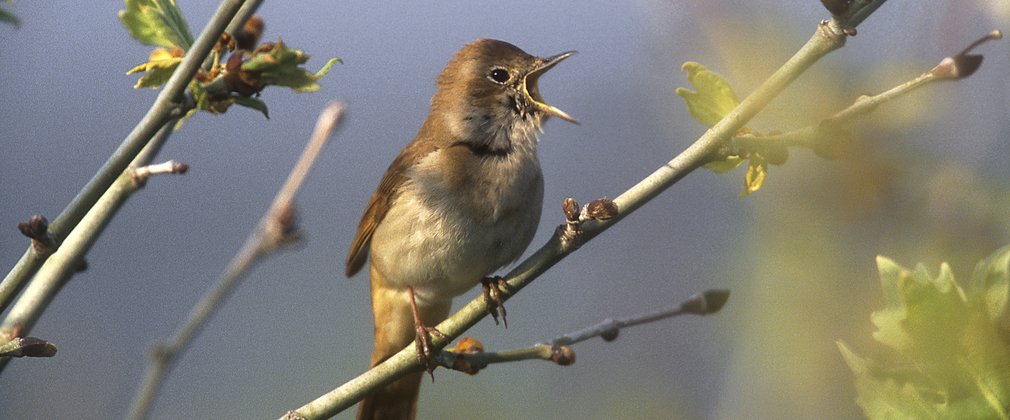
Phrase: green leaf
(156, 22)
(725, 165)
(279, 66)
(714, 97)
(885, 396)
(951, 361)
(326, 67)
(991, 282)
(8, 17)
(252, 103)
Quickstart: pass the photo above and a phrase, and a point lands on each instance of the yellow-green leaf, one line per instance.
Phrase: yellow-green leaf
(159, 68)
(156, 22)
(714, 97)
(725, 165)
(279, 66)
(757, 171)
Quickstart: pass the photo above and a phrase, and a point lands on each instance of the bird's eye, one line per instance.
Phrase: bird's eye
(499, 75)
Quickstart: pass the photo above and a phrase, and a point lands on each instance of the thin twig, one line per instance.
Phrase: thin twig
(828, 37)
(275, 230)
(166, 107)
(950, 68)
(471, 358)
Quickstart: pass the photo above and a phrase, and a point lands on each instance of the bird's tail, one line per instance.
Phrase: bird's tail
(394, 330)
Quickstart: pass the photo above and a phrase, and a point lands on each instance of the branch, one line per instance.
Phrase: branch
(469, 356)
(166, 107)
(275, 230)
(829, 36)
(69, 259)
(956, 67)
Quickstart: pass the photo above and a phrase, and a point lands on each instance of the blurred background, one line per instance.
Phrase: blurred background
(925, 181)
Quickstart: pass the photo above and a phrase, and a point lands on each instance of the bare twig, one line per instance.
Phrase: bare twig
(276, 229)
(955, 67)
(470, 358)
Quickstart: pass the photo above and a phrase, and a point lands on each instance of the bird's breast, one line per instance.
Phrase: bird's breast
(452, 225)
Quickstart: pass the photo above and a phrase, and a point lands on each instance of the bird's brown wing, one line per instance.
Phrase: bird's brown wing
(381, 200)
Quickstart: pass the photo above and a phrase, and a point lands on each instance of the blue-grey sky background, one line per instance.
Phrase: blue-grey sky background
(297, 328)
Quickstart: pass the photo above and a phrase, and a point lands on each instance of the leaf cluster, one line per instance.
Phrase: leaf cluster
(238, 70)
(952, 358)
(712, 100)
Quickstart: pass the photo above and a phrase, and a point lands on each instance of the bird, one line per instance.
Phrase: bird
(458, 202)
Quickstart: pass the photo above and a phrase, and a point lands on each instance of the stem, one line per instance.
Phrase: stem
(828, 37)
(274, 230)
(166, 107)
(60, 266)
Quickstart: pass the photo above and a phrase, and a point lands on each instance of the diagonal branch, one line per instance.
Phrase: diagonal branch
(275, 230)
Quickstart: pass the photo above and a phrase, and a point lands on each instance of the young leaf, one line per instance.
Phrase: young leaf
(252, 103)
(159, 67)
(714, 97)
(757, 171)
(279, 66)
(156, 22)
(725, 165)
(991, 282)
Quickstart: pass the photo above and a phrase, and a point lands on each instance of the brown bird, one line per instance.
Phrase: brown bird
(460, 201)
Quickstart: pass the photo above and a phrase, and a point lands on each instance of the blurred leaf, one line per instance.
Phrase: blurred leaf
(991, 282)
(8, 17)
(757, 171)
(714, 97)
(159, 67)
(279, 66)
(887, 398)
(156, 22)
(960, 367)
(723, 166)
(252, 103)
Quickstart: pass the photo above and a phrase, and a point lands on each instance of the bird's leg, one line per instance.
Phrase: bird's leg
(494, 287)
(422, 341)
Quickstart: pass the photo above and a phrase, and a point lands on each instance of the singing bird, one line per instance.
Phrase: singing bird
(460, 201)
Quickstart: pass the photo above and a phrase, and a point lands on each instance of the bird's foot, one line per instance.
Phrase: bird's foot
(494, 288)
(422, 338)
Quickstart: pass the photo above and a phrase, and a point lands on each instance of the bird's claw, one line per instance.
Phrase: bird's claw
(494, 288)
(422, 343)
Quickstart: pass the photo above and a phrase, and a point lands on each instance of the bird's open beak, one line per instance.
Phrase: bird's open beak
(534, 92)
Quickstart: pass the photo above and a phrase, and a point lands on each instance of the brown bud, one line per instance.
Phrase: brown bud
(610, 334)
(602, 209)
(571, 209)
(563, 355)
(467, 345)
(963, 64)
(247, 37)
